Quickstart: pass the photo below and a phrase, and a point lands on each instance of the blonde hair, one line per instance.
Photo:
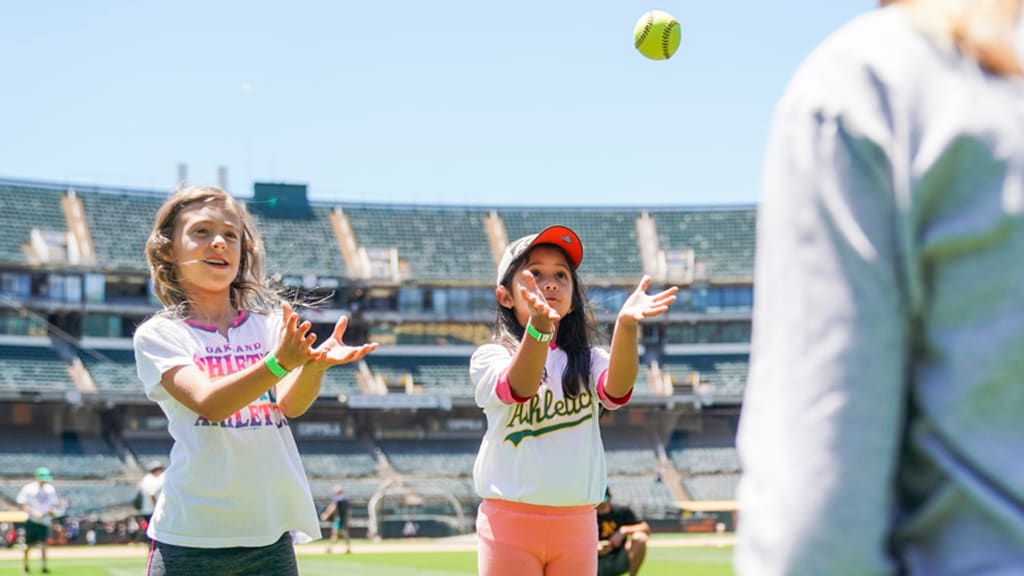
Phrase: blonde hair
(982, 29)
(248, 291)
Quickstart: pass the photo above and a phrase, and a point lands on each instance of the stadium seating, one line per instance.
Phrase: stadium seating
(434, 374)
(22, 209)
(452, 458)
(646, 495)
(120, 224)
(68, 456)
(712, 486)
(338, 381)
(706, 460)
(358, 490)
(709, 465)
(336, 459)
(301, 246)
(642, 385)
(723, 240)
(629, 452)
(146, 450)
(609, 237)
(734, 332)
(112, 370)
(33, 369)
(84, 498)
(726, 375)
(447, 245)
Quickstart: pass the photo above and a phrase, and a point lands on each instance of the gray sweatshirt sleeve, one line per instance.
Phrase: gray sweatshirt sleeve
(822, 416)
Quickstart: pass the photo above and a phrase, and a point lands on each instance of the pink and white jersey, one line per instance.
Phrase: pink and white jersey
(546, 450)
(237, 482)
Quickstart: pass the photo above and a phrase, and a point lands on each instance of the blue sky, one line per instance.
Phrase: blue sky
(512, 103)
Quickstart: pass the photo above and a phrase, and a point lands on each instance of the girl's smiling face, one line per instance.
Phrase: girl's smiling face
(207, 247)
(552, 271)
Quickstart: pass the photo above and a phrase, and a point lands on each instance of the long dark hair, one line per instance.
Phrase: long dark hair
(576, 332)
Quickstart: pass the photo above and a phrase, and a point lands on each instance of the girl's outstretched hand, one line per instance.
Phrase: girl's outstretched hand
(334, 351)
(542, 315)
(295, 348)
(641, 305)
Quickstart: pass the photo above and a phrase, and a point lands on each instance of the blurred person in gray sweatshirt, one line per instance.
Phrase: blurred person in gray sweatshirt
(883, 425)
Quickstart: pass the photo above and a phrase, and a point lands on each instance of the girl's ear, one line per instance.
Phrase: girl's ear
(504, 297)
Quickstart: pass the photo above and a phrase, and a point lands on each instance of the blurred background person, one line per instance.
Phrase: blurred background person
(39, 500)
(150, 487)
(881, 427)
(622, 539)
(337, 512)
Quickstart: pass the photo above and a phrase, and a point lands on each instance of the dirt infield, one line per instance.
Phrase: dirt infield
(456, 544)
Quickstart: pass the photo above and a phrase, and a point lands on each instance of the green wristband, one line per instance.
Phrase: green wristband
(537, 334)
(274, 366)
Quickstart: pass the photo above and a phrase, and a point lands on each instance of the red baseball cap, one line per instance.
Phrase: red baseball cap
(560, 236)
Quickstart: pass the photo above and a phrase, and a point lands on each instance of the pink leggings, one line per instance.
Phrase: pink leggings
(528, 540)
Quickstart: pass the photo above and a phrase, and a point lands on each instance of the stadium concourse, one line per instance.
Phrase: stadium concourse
(400, 430)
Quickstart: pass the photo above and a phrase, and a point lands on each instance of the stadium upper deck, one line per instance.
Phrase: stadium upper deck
(445, 245)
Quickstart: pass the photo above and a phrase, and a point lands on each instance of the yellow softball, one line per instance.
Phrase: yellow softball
(657, 35)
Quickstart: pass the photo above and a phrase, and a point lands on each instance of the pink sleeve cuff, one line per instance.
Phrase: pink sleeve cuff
(504, 390)
(608, 398)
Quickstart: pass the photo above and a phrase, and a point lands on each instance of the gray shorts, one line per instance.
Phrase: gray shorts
(277, 559)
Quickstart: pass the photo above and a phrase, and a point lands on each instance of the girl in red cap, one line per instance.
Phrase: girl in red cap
(541, 383)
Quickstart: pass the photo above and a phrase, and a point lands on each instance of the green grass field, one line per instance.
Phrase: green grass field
(691, 561)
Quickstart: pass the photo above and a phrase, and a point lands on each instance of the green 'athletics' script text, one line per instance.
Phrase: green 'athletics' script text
(536, 412)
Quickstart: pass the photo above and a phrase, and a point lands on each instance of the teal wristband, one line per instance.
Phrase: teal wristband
(274, 366)
(537, 334)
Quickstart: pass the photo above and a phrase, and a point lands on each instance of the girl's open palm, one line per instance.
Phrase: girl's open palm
(296, 342)
(534, 297)
(641, 305)
(334, 351)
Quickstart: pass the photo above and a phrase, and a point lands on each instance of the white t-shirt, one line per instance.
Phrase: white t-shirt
(41, 500)
(547, 450)
(150, 486)
(238, 482)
